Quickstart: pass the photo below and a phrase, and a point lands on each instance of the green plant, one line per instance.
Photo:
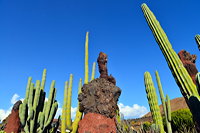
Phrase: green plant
(181, 120)
(35, 115)
(197, 38)
(165, 104)
(66, 113)
(153, 101)
(183, 79)
(146, 126)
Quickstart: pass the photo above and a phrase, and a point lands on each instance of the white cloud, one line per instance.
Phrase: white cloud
(4, 113)
(134, 111)
(14, 99)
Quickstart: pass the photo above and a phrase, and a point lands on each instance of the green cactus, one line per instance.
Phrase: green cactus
(165, 104)
(197, 38)
(68, 111)
(78, 113)
(93, 71)
(153, 101)
(86, 59)
(182, 78)
(34, 117)
(64, 109)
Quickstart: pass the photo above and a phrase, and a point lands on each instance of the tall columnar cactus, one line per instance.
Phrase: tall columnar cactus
(34, 117)
(78, 113)
(69, 99)
(197, 38)
(165, 104)
(64, 109)
(183, 79)
(86, 59)
(153, 101)
(93, 71)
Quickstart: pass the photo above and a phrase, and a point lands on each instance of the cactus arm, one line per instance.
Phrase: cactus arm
(86, 60)
(23, 112)
(69, 99)
(197, 38)
(31, 95)
(28, 87)
(153, 101)
(52, 114)
(93, 71)
(50, 100)
(78, 113)
(166, 106)
(64, 109)
(179, 72)
(43, 79)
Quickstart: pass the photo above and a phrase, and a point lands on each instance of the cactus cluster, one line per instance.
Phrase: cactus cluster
(35, 114)
(188, 89)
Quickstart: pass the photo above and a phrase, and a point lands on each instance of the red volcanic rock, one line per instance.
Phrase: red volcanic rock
(13, 124)
(96, 123)
(188, 61)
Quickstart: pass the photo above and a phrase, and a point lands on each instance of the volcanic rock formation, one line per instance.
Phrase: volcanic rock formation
(13, 124)
(99, 96)
(188, 61)
(98, 101)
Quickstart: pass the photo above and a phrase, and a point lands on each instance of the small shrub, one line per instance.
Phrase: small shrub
(181, 121)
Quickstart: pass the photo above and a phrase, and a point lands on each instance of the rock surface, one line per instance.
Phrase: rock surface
(188, 61)
(96, 123)
(13, 124)
(99, 96)
(102, 64)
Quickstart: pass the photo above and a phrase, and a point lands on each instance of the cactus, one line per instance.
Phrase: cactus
(182, 78)
(197, 38)
(86, 60)
(34, 117)
(69, 96)
(153, 101)
(165, 104)
(64, 109)
(93, 71)
(78, 113)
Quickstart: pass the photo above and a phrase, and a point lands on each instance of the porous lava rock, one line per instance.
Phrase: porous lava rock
(188, 61)
(99, 96)
(102, 64)
(13, 124)
(96, 123)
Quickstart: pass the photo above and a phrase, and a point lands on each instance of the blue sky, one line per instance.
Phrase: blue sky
(51, 34)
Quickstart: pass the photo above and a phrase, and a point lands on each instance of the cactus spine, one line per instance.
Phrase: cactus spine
(153, 101)
(165, 104)
(33, 116)
(197, 38)
(183, 79)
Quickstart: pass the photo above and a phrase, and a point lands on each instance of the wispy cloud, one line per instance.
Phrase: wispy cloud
(5, 112)
(134, 111)
(15, 98)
